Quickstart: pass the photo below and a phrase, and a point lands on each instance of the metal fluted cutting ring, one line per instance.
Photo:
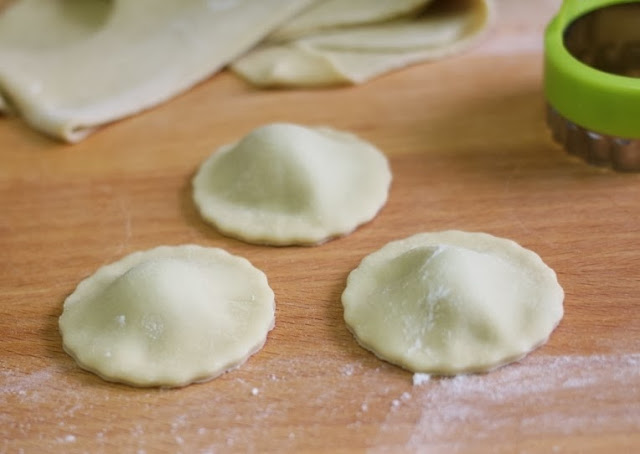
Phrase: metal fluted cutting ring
(592, 80)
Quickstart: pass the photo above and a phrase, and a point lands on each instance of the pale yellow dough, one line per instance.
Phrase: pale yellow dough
(331, 14)
(358, 51)
(452, 302)
(168, 316)
(285, 184)
(70, 66)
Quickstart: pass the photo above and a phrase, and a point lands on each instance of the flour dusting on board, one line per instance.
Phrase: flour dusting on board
(26, 386)
(541, 395)
(420, 379)
(486, 404)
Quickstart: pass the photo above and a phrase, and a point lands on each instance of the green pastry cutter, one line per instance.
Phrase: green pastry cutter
(592, 81)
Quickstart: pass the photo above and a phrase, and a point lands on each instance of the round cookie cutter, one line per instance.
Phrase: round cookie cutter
(592, 81)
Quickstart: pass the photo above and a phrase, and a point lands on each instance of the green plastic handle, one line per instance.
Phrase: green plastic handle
(596, 100)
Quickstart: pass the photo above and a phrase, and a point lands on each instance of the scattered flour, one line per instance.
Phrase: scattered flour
(121, 320)
(539, 395)
(420, 379)
(550, 391)
(23, 385)
(347, 370)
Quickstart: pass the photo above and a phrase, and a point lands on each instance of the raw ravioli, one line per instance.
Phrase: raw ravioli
(452, 302)
(168, 316)
(285, 184)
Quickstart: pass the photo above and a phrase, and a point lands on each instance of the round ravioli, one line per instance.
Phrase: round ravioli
(452, 302)
(168, 316)
(284, 184)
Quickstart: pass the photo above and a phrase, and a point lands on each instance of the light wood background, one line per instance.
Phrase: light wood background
(469, 150)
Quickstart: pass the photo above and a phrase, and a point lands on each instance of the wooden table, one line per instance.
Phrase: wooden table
(469, 150)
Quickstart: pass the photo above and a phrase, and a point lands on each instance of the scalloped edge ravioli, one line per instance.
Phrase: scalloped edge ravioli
(452, 302)
(168, 316)
(286, 184)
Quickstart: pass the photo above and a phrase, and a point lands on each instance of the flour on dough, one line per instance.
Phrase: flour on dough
(168, 316)
(70, 66)
(452, 302)
(285, 184)
(357, 53)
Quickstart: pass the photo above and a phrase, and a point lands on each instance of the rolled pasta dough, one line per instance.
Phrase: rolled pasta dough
(70, 66)
(359, 52)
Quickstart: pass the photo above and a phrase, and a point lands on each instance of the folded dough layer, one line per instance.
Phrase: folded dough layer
(355, 54)
(331, 14)
(68, 67)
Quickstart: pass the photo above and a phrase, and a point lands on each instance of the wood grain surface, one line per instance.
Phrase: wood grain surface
(469, 150)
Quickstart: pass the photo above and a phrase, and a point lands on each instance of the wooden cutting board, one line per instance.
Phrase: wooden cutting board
(469, 149)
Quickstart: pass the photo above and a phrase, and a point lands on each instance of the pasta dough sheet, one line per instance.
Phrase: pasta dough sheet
(68, 67)
(331, 14)
(359, 52)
